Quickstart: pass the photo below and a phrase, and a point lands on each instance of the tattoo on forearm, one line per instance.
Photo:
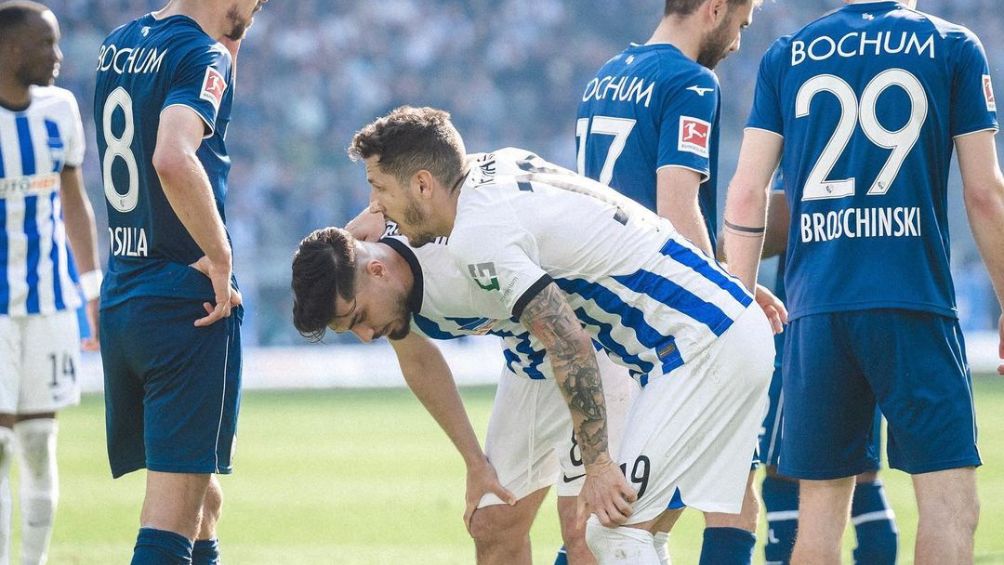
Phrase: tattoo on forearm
(551, 320)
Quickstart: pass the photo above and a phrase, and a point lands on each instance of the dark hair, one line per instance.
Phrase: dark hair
(324, 264)
(409, 140)
(687, 7)
(14, 13)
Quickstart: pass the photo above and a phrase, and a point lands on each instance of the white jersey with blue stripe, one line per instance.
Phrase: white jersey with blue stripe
(643, 292)
(35, 145)
(446, 304)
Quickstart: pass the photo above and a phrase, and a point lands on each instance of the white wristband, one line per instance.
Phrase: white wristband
(90, 284)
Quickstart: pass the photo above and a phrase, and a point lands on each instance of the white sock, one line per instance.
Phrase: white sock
(36, 440)
(661, 542)
(6, 456)
(620, 546)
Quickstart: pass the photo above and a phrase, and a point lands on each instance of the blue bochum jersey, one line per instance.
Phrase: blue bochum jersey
(647, 108)
(869, 100)
(144, 67)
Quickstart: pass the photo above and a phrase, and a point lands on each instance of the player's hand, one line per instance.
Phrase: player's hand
(92, 309)
(772, 306)
(605, 493)
(1000, 348)
(481, 480)
(367, 226)
(227, 297)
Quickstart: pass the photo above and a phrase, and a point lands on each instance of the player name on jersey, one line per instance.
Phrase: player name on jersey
(128, 242)
(861, 44)
(619, 89)
(860, 222)
(129, 60)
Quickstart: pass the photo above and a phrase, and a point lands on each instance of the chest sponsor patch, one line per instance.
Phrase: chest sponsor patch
(213, 87)
(988, 93)
(695, 136)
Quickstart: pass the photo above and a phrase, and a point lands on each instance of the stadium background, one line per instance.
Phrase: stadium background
(364, 476)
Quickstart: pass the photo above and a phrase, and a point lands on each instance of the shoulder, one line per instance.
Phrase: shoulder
(52, 98)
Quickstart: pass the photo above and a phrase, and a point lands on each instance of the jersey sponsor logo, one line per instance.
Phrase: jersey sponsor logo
(24, 185)
(130, 60)
(485, 275)
(988, 93)
(620, 89)
(695, 136)
(700, 90)
(861, 44)
(213, 87)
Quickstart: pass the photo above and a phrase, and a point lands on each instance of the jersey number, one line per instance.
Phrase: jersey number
(120, 147)
(619, 128)
(817, 185)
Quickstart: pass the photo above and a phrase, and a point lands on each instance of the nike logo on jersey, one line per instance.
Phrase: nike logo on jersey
(568, 479)
(701, 91)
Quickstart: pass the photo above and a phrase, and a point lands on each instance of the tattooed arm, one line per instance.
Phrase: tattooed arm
(551, 320)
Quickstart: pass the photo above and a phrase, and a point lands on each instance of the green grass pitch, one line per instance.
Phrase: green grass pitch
(366, 477)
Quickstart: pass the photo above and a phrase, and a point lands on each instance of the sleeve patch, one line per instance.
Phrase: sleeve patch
(213, 87)
(988, 93)
(695, 136)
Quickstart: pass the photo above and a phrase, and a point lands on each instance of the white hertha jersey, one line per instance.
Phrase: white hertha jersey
(644, 292)
(447, 304)
(36, 271)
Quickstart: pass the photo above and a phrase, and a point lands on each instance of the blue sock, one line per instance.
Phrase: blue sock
(727, 546)
(206, 552)
(874, 524)
(159, 547)
(780, 500)
(562, 558)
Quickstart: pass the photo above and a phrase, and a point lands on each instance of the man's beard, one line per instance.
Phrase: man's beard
(239, 25)
(403, 314)
(416, 220)
(715, 46)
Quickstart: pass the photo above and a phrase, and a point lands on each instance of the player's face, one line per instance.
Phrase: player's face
(727, 37)
(399, 203)
(378, 309)
(240, 16)
(37, 45)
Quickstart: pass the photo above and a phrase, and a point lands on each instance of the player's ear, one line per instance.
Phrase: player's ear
(375, 268)
(717, 11)
(423, 179)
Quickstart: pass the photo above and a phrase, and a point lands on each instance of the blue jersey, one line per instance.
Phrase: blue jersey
(869, 100)
(647, 108)
(144, 67)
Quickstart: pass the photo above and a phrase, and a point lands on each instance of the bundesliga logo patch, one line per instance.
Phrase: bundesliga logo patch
(213, 87)
(695, 136)
(988, 93)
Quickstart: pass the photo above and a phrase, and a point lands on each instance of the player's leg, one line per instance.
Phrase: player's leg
(502, 533)
(206, 550)
(949, 510)
(730, 538)
(39, 487)
(780, 498)
(10, 384)
(7, 455)
(872, 516)
(634, 544)
(826, 433)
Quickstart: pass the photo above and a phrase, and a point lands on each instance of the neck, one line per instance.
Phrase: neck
(207, 14)
(680, 33)
(397, 264)
(13, 94)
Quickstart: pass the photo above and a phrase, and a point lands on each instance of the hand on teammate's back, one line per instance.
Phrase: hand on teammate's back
(481, 480)
(606, 493)
(227, 297)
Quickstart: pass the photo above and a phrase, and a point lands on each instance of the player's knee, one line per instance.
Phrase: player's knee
(573, 535)
(36, 440)
(497, 524)
(622, 545)
(212, 504)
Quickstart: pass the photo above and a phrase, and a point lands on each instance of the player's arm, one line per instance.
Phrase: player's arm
(775, 241)
(81, 232)
(676, 200)
(430, 379)
(746, 204)
(190, 194)
(983, 191)
(550, 319)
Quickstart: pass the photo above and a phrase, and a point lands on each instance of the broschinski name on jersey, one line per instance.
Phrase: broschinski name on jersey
(130, 60)
(861, 44)
(620, 89)
(860, 222)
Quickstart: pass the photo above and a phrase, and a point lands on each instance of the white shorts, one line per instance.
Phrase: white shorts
(39, 358)
(690, 434)
(529, 440)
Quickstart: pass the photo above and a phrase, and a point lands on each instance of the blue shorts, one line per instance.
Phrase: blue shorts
(840, 365)
(172, 390)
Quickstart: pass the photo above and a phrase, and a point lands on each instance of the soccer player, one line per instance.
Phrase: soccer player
(163, 99)
(648, 127)
(411, 295)
(866, 104)
(574, 261)
(43, 206)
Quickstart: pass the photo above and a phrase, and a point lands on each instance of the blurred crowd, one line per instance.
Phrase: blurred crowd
(510, 71)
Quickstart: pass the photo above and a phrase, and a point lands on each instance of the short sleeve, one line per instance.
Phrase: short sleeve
(76, 144)
(766, 111)
(688, 114)
(500, 258)
(973, 105)
(200, 82)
